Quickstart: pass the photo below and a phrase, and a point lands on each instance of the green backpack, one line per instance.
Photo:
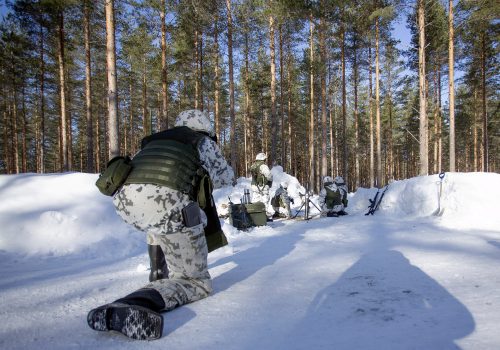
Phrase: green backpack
(115, 174)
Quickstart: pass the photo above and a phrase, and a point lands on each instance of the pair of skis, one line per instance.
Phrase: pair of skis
(375, 202)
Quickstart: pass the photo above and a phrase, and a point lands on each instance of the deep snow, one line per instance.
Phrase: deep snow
(401, 279)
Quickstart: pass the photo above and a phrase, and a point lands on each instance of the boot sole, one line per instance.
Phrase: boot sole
(133, 321)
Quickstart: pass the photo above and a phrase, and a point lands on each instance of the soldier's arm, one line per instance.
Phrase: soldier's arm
(264, 169)
(213, 161)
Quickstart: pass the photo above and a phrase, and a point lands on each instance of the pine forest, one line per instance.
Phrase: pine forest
(323, 87)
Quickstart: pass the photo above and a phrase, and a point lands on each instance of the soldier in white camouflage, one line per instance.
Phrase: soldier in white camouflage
(333, 197)
(262, 180)
(168, 196)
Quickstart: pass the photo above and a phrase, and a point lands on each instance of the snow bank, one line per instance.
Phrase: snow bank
(467, 199)
(60, 214)
(56, 214)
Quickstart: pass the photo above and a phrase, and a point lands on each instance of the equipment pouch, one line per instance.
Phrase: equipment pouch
(191, 214)
(115, 174)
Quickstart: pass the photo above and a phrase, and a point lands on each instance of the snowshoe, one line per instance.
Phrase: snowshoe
(332, 214)
(342, 212)
(134, 321)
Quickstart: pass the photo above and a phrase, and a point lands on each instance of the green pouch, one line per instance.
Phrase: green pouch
(115, 174)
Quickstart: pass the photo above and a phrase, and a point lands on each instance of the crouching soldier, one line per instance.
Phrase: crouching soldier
(168, 196)
(333, 197)
(281, 199)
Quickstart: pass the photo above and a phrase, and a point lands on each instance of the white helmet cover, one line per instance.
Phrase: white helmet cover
(261, 156)
(327, 179)
(195, 120)
(339, 180)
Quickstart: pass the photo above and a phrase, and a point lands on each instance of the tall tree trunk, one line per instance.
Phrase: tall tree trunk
(88, 88)
(474, 133)
(345, 159)
(451, 84)
(324, 127)
(378, 130)
(62, 93)
(356, 123)
(113, 125)
(485, 115)
(231, 87)
(216, 78)
(440, 126)
(164, 74)
(41, 158)
(200, 71)
(435, 142)
(424, 134)
(24, 131)
(248, 148)
(282, 108)
(311, 109)
(196, 75)
(370, 103)
(15, 138)
(146, 120)
(273, 90)
(291, 137)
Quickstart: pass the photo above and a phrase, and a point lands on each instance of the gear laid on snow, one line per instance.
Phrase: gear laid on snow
(440, 209)
(375, 202)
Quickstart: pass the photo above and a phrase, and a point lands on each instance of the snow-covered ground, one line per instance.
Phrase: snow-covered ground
(401, 279)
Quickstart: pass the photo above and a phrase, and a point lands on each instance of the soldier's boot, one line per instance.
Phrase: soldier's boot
(135, 316)
(159, 269)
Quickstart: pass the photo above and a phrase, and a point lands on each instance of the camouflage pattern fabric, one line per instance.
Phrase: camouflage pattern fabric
(186, 255)
(261, 193)
(281, 199)
(322, 200)
(157, 211)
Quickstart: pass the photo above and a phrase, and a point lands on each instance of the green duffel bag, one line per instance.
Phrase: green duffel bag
(115, 174)
(244, 216)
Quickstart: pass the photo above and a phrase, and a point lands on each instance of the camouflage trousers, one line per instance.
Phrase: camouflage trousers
(156, 210)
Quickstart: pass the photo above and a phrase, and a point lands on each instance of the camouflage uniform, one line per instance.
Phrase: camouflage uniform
(337, 204)
(281, 199)
(156, 210)
(260, 192)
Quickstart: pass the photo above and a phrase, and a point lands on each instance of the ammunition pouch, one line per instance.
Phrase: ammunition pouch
(115, 174)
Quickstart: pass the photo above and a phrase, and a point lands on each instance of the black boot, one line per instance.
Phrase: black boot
(159, 269)
(135, 315)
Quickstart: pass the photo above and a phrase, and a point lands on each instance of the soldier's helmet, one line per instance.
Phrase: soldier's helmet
(261, 156)
(339, 180)
(195, 120)
(327, 179)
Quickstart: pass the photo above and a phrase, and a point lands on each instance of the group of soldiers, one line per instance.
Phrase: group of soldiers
(167, 194)
(332, 197)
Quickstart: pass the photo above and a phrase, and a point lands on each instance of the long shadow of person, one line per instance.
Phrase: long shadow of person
(248, 262)
(384, 302)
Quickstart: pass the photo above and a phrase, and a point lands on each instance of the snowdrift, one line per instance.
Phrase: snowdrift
(61, 214)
